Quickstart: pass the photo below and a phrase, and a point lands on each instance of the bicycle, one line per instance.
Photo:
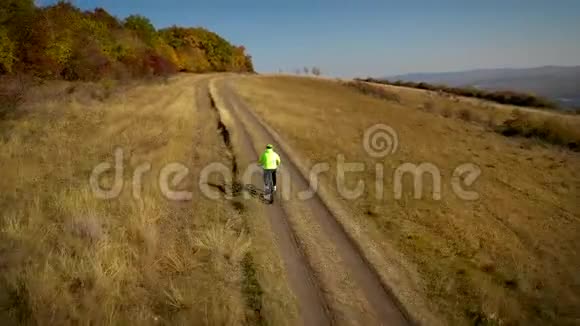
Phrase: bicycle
(269, 161)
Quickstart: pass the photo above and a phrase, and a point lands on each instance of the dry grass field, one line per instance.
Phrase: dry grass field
(509, 257)
(560, 129)
(329, 274)
(67, 257)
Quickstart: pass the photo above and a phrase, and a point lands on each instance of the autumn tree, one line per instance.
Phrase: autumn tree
(61, 41)
(16, 17)
(14, 13)
(316, 71)
(249, 63)
(142, 26)
(7, 51)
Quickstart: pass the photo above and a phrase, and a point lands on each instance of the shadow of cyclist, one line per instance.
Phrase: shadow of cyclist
(237, 189)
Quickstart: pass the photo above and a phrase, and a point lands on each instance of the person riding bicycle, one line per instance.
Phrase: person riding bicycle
(269, 161)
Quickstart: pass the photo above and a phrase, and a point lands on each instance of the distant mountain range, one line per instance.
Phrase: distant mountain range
(561, 84)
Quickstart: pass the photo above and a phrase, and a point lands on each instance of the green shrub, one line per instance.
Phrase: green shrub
(464, 114)
(142, 27)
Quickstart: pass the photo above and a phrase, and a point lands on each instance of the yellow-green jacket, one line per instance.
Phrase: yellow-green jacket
(269, 160)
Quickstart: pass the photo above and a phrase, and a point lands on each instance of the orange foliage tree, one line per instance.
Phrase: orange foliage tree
(62, 41)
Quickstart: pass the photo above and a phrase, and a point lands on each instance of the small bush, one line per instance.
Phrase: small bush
(446, 112)
(465, 114)
(108, 87)
(87, 63)
(555, 130)
(378, 92)
(428, 106)
(316, 71)
(12, 91)
(161, 66)
(491, 118)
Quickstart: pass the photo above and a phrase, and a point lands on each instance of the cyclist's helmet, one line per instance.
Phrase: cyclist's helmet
(270, 146)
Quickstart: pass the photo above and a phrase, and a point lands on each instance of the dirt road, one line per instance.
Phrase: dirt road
(315, 304)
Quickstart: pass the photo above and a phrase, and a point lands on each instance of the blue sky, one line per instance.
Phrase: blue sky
(377, 38)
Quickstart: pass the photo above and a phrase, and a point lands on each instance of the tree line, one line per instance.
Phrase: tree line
(503, 97)
(306, 70)
(61, 41)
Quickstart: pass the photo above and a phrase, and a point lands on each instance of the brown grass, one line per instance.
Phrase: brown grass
(446, 112)
(555, 129)
(428, 106)
(551, 127)
(67, 257)
(12, 93)
(509, 257)
(464, 115)
(375, 91)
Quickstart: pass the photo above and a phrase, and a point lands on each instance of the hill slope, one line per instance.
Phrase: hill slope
(206, 247)
(501, 258)
(558, 83)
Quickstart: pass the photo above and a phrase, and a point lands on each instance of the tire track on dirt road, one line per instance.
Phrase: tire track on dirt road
(388, 309)
(314, 309)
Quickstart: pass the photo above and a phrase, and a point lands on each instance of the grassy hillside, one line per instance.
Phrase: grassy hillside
(511, 121)
(508, 257)
(63, 42)
(68, 257)
(558, 83)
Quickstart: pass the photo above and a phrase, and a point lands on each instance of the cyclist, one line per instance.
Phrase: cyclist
(269, 161)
